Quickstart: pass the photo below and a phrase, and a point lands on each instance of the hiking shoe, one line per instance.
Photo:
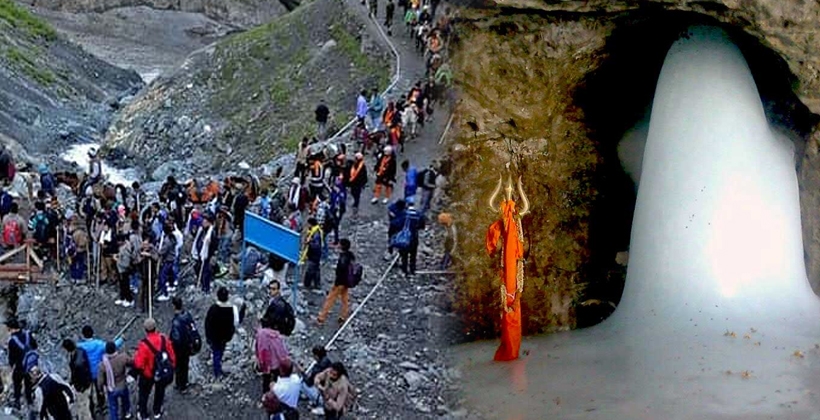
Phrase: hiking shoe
(374, 200)
(319, 411)
(128, 416)
(157, 416)
(127, 304)
(118, 302)
(163, 298)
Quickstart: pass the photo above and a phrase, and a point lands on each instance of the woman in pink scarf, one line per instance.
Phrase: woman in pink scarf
(270, 353)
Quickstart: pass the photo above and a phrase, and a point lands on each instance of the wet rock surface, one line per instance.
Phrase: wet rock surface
(52, 93)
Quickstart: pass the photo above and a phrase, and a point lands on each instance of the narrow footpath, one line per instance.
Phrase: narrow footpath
(395, 347)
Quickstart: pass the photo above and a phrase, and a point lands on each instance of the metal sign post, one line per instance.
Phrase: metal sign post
(273, 238)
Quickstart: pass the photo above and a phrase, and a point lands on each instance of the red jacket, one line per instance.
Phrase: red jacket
(144, 357)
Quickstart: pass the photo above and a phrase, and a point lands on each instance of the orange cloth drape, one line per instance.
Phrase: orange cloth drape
(506, 231)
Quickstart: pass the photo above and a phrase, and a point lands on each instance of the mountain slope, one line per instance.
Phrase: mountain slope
(251, 97)
(52, 91)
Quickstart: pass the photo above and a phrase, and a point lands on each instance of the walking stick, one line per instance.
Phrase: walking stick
(150, 289)
(58, 248)
(99, 264)
(125, 328)
(88, 265)
(199, 277)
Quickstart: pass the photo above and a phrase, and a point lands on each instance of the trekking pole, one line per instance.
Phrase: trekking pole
(88, 266)
(58, 249)
(99, 264)
(125, 328)
(199, 277)
(150, 290)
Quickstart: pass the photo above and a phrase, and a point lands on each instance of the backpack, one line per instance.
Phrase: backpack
(289, 321)
(30, 356)
(5, 202)
(163, 368)
(41, 228)
(429, 177)
(84, 369)
(401, 240)
(12, 232)
(355, 272)
(194, 339)
(284, 321)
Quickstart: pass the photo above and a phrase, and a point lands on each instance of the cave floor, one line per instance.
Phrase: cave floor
(605, 373)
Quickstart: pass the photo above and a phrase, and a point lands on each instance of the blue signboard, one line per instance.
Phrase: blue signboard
(272, 237)
(276, 239)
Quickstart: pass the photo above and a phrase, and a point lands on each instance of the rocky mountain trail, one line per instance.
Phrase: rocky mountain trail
(250, 98)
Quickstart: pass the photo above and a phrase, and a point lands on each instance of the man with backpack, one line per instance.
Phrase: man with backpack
(47, 182)
(80, 378)
(407, 240)
(186, 341)
(22, 356)
(39, 224)
(428, 187)
(155, 361)
(348, 274)
(94, 348)
(312, 250)
(76, 245)
(13, 223)
(279, 312)
(112, 376)
(221, 323)
(53, 397)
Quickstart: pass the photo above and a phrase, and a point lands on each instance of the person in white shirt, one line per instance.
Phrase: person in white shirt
(288, 385)
(180, 241)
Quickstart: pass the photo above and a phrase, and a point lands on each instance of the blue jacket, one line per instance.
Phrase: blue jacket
(416, 223)
(95, 349)
(410, 178)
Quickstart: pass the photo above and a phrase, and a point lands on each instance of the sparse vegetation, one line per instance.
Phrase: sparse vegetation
(268, 80)
(22, 19)
(27, 64)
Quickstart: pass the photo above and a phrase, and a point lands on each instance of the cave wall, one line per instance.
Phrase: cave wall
(527, 96)
(788, 27)
(516, 77)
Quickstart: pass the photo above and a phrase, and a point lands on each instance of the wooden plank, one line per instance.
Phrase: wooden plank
(17, 267)
(12, 253)
(36, 259)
